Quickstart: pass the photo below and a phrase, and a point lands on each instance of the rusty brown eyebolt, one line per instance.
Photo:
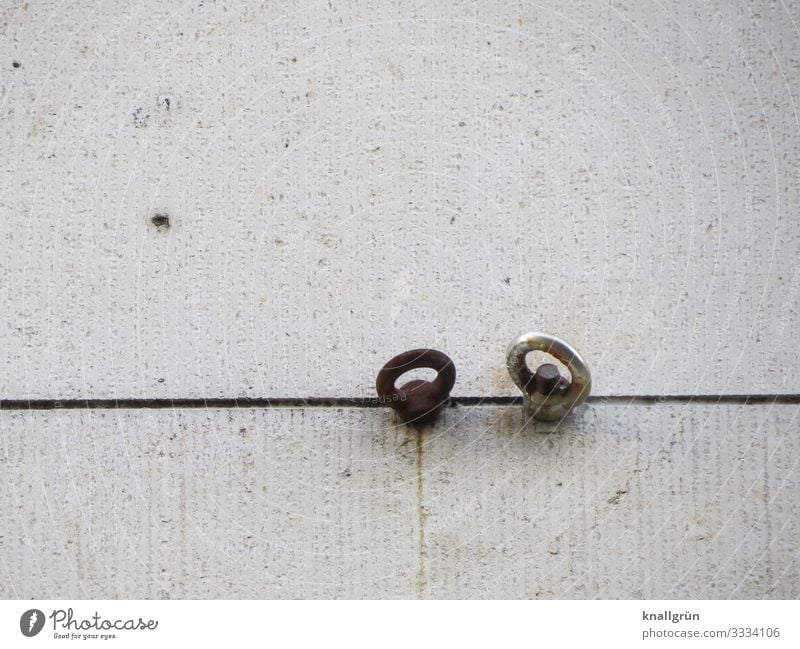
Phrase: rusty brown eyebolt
(547, 395)
(418, 401)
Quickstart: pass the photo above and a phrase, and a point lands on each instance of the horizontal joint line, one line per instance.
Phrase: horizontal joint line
(369, 402)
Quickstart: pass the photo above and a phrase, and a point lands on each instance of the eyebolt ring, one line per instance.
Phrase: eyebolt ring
(553, 406)
(425, 399)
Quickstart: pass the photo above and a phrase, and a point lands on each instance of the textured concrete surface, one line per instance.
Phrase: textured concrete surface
(348, 180)
(622, 500)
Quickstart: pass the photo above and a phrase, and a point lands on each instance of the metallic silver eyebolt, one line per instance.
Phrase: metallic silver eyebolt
(547, 395)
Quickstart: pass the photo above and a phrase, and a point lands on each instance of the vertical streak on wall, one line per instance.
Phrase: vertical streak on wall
(767, 511)
(421, 579)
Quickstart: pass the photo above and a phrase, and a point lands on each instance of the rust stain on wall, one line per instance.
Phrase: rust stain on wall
(421, 577)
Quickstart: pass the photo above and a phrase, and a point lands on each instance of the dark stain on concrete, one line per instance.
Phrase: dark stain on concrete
(160, 220)
(421, 576)
(140, 118)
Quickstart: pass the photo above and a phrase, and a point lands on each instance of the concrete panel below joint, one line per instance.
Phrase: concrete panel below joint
(620, 501)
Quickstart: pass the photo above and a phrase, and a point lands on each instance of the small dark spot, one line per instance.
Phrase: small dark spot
(294, 59)
(614, 500)
(16, 64)
(507, 281)
(140, 119)
(559, 484)
(243, 432)
(452, 220)
(286, 144)
(167, 102)
(462, 123)
(161, 380)
(347, 473)
(160, 220)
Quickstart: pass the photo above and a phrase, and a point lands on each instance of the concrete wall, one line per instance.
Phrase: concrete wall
(344, 181)
(621, 500)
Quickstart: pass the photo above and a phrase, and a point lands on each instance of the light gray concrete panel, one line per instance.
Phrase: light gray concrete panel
(620, 501)
(646, 501)
(208, 504)
(348, 180)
